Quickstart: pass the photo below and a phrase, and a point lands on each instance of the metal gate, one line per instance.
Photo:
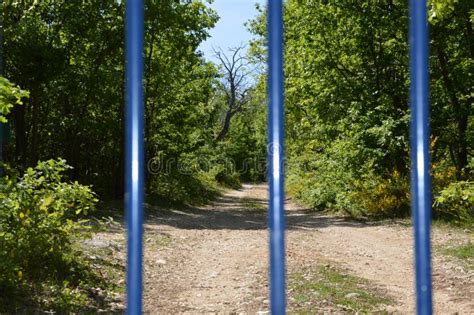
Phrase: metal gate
(134, 151)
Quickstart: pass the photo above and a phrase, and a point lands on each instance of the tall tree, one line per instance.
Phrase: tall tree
(235, 84)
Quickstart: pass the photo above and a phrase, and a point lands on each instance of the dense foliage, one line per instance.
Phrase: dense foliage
(347, 101)
(41, 216)
(69, 55)
(10, 95)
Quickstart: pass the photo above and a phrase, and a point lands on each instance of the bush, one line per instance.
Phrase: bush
(192, 180)
(322, 180)
(356, 195)
(382, 196)
(180, 188)
(456, 202)
(225, 177)
(40, 217)
(345, 178)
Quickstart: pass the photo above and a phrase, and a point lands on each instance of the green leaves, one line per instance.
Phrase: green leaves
(440, 9)
(70, 56)
(10, 95)
(38, 219)
(347, 82)
(346, 96)
(456, 201)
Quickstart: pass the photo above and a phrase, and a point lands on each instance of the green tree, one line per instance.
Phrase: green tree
(346, 70)
(70, 56)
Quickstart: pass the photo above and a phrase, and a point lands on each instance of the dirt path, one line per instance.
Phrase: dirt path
(216, 259)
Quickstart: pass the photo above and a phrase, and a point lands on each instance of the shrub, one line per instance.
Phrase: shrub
(456, 202)
(192, 180)
(321, 180)
(226, 177)
(40, 216)
(382, 196)
(180, 188)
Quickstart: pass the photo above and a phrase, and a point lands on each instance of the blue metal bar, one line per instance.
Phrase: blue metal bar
(276, 156)
(421, 182)
(134, 155)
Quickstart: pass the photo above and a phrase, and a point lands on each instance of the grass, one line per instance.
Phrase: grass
(465, 253)
(158, 240)
(453, 224)
(327, 287)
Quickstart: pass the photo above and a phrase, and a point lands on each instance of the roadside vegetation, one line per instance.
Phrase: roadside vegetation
(463, 253)
(42, 219)
(347, 107)
(332, 290)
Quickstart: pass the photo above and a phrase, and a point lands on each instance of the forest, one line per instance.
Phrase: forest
(347, 122)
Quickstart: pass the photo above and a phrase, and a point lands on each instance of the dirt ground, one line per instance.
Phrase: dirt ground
(214, 259)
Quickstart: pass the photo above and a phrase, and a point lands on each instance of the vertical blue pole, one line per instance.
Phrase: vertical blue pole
(134, 160)
(275, 157)
(421, 183)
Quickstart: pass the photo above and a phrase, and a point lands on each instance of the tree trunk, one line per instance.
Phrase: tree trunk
(34, 102)
(460, 115)
(119, 180)
(469, 36)
(20, 134)
(225, 127)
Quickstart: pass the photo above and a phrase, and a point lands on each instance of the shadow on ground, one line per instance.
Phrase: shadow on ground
(226, 212)
(234, 213)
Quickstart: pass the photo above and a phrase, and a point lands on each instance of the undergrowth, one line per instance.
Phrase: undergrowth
(42, 221)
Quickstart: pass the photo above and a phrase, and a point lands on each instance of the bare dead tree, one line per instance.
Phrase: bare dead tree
(235, 84)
